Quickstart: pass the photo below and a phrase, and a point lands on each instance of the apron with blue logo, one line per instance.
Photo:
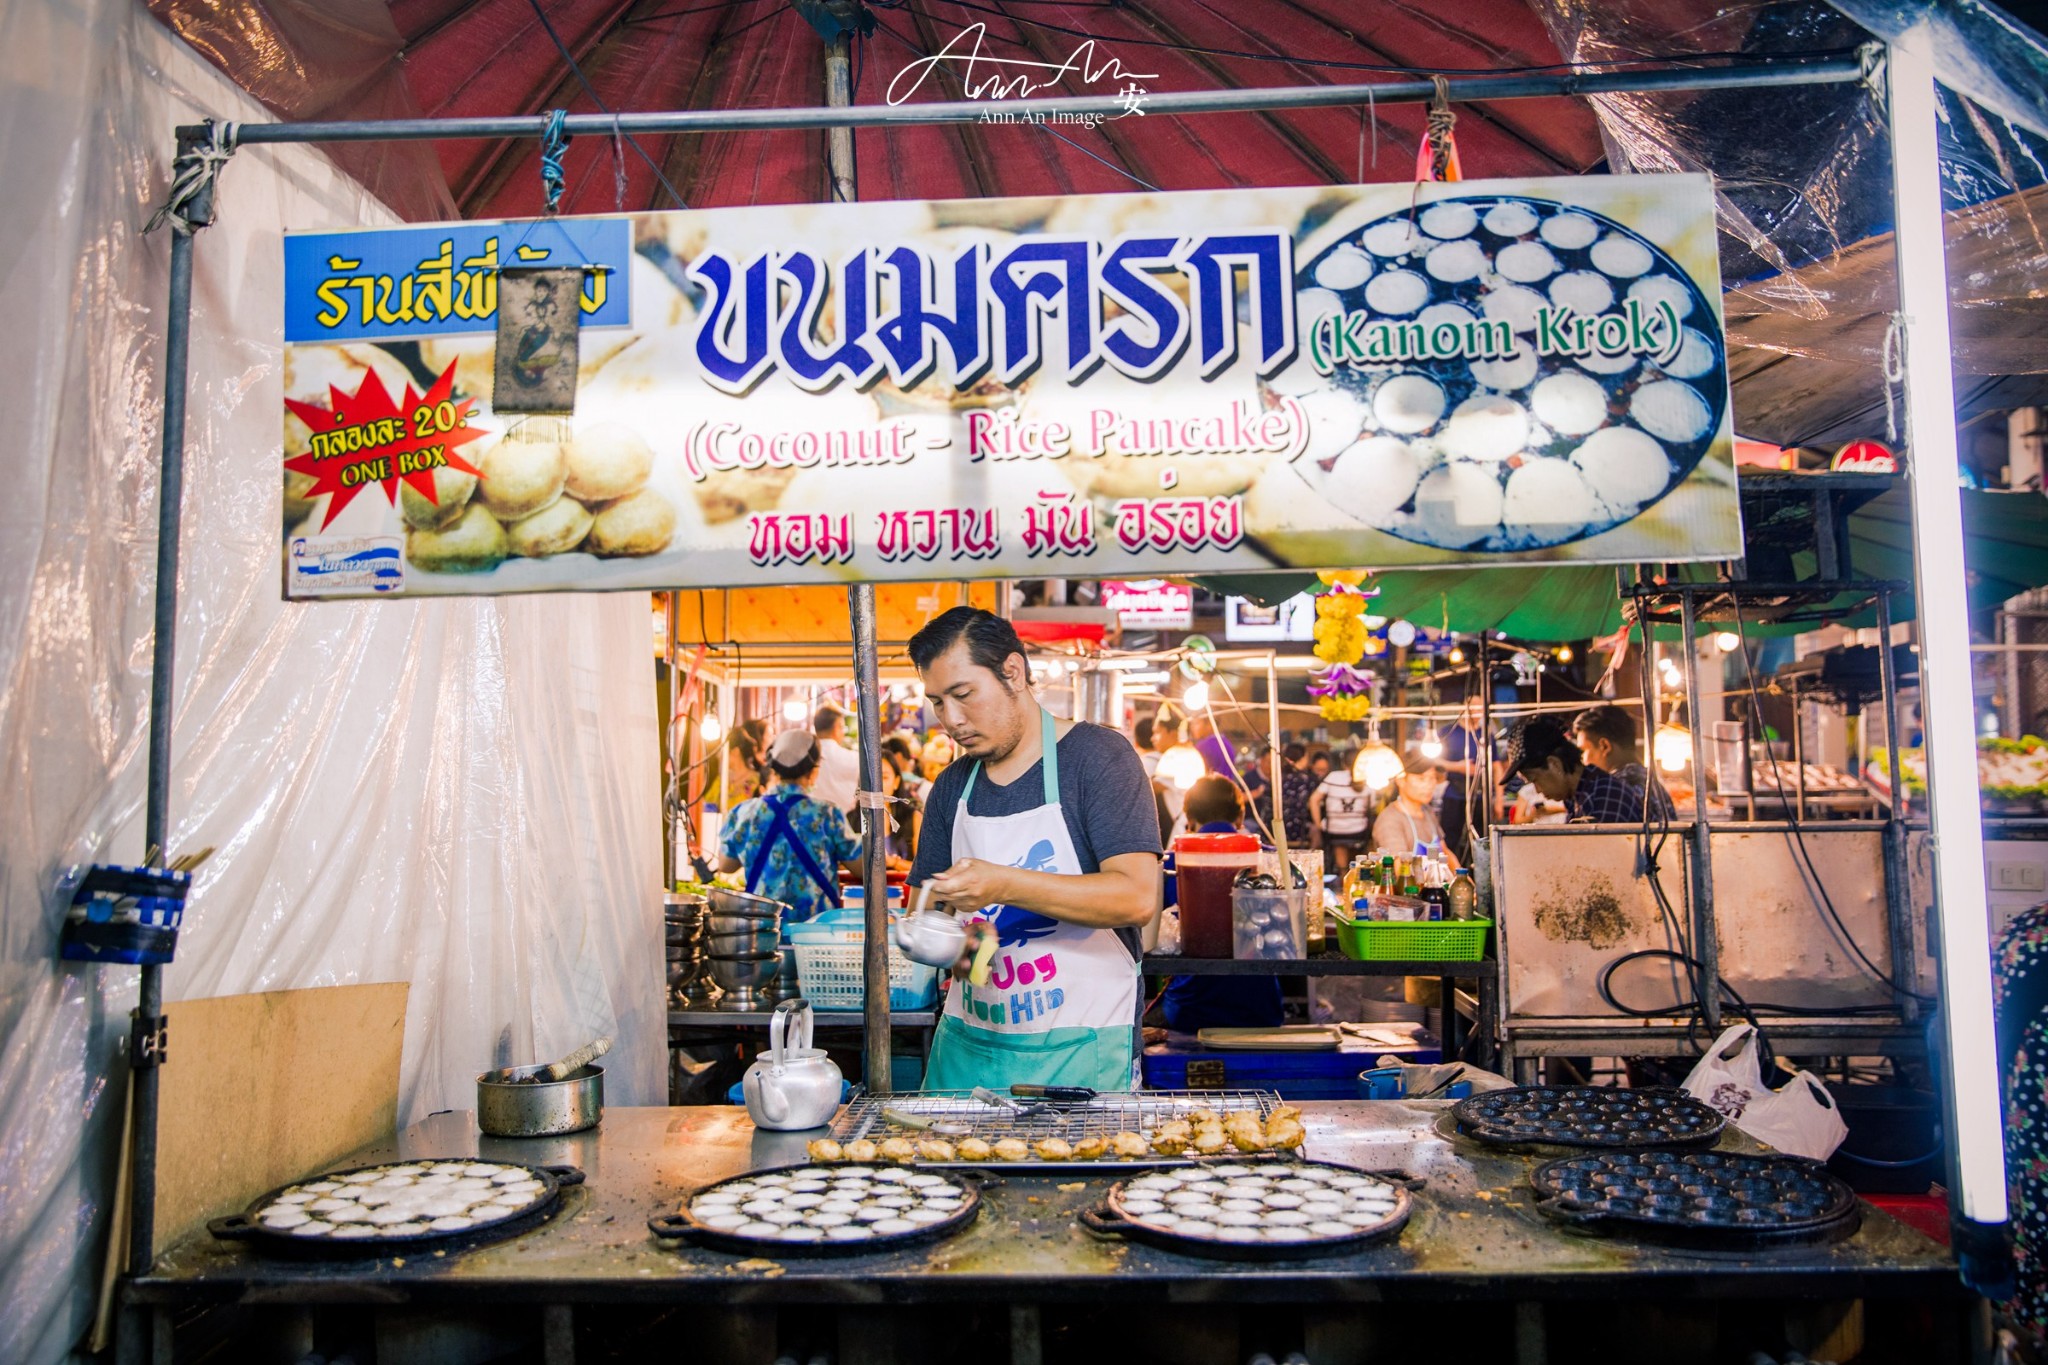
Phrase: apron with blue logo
(1061, 1003)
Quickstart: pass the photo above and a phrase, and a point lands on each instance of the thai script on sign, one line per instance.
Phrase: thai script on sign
(800, 538)
(435, 290)
(1167, 524)
(912, 314)
(962, 532)
(1059, 523)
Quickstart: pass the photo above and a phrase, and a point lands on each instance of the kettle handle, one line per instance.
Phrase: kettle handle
(789, 1027)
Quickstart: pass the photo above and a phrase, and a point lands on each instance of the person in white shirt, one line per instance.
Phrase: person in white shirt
(1340, 812)
(838, 766)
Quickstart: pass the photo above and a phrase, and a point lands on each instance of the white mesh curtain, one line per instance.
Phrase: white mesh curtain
(461, 795)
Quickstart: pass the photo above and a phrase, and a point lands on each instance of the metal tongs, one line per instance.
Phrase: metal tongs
(1017, 1109)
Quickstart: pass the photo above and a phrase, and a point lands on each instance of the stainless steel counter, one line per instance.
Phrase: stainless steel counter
(1473, 1235)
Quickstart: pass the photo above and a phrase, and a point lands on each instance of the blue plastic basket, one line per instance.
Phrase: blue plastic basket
(828, 965)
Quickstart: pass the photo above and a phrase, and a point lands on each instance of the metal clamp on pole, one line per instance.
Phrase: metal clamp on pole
(149, 1040)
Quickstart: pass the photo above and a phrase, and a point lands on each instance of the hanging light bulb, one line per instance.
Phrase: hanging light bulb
(1672, 747)
(1182, 765)
(712, 728)
(1457, 655)
(1429, 743)
(793, 710)
(1564, 654)
(1196, 697)
(1727, 642)
(1376, 765)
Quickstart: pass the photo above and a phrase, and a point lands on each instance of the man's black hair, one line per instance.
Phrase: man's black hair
(1610, 723)
(826, 720)
(990, 639)
(1293, 752)
(1210, 800)
(1143, 731)
(1537, 739)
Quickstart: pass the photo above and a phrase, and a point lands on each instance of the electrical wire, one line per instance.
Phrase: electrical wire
(683, 13)
(1797, 838)
(591, 91)
(1392, 68)
(1130, 175)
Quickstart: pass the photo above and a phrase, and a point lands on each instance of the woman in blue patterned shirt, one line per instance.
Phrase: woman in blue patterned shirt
(790, 844)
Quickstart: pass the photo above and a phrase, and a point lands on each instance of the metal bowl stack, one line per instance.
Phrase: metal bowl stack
(743, 945)
(683, 932)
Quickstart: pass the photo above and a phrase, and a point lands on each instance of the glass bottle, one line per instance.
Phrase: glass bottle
(1464, 895)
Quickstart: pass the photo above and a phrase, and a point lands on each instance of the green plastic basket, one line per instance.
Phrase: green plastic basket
(1453, 940)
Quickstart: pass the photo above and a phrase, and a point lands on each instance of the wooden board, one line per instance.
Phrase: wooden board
(261, 1089)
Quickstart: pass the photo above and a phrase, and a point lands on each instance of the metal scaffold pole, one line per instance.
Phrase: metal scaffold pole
(860, 606)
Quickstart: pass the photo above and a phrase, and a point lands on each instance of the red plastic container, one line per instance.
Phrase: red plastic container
(1204, 867)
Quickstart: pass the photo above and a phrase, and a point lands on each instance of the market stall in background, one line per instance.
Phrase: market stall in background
(1352, 505)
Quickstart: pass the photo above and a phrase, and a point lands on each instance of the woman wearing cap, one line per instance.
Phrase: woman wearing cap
(789, 843)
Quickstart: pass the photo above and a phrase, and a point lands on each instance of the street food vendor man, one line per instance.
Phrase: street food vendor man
(1041, 833)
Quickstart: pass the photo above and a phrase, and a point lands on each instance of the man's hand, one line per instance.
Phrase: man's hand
(977, 930)
(971, 884)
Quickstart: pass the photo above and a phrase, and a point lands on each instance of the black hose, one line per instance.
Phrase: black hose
(1809, 871)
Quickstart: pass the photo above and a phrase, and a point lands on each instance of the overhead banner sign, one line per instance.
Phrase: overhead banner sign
(1107, 386)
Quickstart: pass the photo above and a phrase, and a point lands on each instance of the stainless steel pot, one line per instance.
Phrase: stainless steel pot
(761, 940)
(726, 901)
(542, 1108)
(750, 969)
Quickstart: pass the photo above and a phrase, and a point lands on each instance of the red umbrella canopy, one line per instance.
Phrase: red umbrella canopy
(452, 58)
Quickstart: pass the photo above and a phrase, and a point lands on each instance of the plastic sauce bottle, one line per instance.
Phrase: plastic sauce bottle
(1464, 895)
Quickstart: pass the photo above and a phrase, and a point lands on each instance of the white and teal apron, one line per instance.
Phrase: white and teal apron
(1061, 1003)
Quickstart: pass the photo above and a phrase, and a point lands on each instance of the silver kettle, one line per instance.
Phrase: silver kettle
(931, 937)
(795, 1085)
(936, 939)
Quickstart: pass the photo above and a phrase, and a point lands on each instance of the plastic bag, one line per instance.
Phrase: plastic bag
(1800, 1119)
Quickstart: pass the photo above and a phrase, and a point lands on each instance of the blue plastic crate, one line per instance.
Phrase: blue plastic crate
(1331, 1075)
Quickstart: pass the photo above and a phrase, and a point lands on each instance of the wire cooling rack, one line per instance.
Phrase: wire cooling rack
(1110, 1113)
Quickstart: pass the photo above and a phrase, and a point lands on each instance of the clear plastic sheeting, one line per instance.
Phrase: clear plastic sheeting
(1803, 176)
(457, 794)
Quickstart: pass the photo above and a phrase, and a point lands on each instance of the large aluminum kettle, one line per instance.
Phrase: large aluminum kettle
(794, 1085)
